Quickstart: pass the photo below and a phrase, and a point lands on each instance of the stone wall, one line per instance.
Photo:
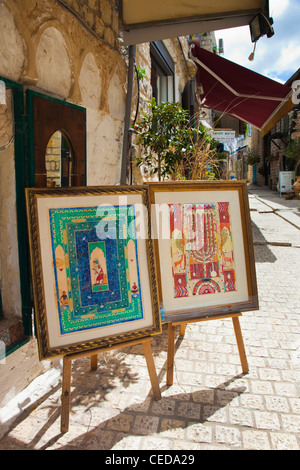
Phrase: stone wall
(70, 50)
(46, 47)
(9, 265)
(71, 55)
(288, 128)
(208, 41)
(183, 73)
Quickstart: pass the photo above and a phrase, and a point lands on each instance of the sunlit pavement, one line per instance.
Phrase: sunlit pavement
(212, 404)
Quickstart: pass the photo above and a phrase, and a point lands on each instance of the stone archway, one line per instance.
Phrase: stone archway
(53, 63)
(90, 82)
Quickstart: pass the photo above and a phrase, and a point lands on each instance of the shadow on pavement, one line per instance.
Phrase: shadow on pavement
(266, 196)
(143, 418)
(262, 252)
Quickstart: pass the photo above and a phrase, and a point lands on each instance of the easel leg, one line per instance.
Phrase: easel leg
(67, 367)
(171, 352)
(94, 360)
(182, 329)
(240, 344)
(66, 394)
(151, 370)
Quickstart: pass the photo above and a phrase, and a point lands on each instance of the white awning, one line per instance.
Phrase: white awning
(162, 19)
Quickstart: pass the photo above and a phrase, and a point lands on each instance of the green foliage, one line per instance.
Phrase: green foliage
(203, 161)
(246, 129)
(173, 149)
(165, 136)
(141, 73)
(253, 159)
(293, 150)
(293, 124)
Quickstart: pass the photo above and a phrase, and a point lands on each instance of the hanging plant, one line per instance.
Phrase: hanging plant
(253, 159)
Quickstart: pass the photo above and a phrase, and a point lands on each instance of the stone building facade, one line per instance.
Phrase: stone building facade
(272, 148)
(69, 54)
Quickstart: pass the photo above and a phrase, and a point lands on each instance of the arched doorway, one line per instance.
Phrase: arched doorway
(54, 120)
(59, 160)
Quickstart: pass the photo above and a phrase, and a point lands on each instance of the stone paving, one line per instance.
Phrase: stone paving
(211, 405)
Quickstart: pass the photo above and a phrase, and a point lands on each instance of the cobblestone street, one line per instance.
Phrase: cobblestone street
(212, 404)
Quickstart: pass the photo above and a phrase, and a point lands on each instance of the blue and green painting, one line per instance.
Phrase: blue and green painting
(96, 268)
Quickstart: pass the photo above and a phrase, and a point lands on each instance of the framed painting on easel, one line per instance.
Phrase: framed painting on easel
(203, 246)
(93, 275)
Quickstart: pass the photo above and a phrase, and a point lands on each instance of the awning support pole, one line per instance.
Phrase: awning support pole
(127, 114)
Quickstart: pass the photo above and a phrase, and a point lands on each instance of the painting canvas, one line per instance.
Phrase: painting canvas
(91, 268)
(204, 248)
(201, 249)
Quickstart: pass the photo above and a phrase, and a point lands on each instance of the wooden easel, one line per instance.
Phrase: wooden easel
(182, 324)
(67, 366)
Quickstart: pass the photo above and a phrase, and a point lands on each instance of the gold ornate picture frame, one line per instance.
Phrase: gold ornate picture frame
(204, 249)
(93, 272)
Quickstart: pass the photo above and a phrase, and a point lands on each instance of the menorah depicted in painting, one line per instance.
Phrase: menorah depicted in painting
(104, 275)
(101, 271)
(202, 249)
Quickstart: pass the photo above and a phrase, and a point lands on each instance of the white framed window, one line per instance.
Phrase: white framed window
(162, 73)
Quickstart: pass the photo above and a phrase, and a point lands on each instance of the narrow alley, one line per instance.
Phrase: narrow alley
(211, 405)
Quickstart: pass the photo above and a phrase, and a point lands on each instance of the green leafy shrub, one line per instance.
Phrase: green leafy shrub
(172, 149)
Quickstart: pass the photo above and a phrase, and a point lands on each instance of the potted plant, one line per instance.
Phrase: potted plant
(166, 138)
(203, 161)
(288, 195)
(173, 149)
